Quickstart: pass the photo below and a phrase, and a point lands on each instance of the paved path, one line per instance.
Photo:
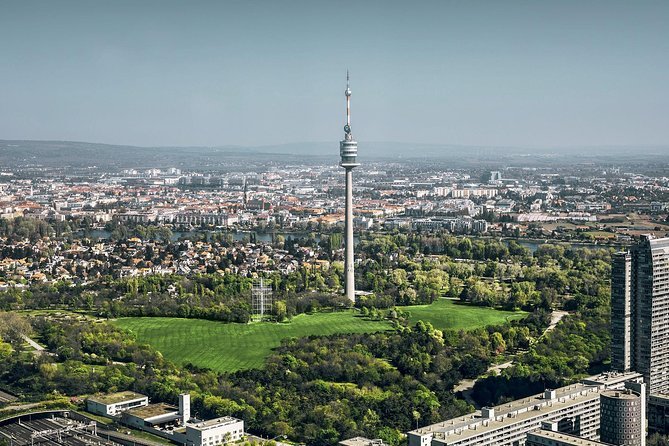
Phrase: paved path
(257, 439)
(33, 344)
(556, 317)
(467, 385)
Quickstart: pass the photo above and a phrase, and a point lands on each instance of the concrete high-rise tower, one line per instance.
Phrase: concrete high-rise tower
(348, 149)
(640, 312)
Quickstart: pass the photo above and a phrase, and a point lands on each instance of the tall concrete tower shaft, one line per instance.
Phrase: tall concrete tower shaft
(348, 149)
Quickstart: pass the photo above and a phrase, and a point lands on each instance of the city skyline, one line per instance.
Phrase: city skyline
(251, 74)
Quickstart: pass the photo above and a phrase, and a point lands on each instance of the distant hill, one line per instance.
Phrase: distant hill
(62, 154)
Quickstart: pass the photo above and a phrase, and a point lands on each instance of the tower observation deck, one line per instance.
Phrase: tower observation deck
(348, 150)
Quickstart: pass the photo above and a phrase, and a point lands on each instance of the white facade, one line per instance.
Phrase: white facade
(114, 404)
(214, 432)
(573, 409)
(550, 438)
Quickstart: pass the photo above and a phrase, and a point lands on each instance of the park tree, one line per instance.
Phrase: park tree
(657, 440)
(5, 350)
(280, 310)
(497, 342)
(13, 327)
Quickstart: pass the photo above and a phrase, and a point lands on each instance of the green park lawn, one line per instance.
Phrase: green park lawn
(448, 314)
(228, 347)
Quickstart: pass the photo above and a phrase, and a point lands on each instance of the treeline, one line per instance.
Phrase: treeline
(554, 276)
(207, 296)
(317, 390)
(577, 347)
(25, 228)
(440, 243)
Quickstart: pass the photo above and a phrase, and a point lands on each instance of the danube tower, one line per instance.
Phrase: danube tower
(348, 149)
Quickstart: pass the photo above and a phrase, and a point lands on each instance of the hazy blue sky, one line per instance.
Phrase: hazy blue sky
(539, 72)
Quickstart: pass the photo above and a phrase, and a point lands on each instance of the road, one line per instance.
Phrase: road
(18, 407)
(6, 397)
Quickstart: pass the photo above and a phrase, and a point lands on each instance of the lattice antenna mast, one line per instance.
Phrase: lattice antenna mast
(261, 299)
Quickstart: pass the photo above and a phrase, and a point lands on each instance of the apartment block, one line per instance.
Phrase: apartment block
(573, 409)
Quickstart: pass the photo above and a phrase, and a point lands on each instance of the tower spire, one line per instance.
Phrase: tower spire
(348, 107)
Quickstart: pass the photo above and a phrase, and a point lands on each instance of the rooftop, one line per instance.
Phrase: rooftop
(491, 419)
(115, 398)
(153, 410)
(564, 438)
(361, 441)
(214, 423)
(620, 395)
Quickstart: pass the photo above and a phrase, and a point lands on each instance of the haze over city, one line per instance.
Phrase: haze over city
(212, 235)
(482, 73)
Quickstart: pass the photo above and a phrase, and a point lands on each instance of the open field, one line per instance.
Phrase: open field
(446, 313)
(230, 347)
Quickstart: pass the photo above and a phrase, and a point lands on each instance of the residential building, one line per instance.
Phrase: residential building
(640, 312)
(573, 409)
(544, 437)
(658, 413)
(621, 418)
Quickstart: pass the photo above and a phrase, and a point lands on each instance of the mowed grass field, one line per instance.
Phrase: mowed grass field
(230, 347)
(445, 313)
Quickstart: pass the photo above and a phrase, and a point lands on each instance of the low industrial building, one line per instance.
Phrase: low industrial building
(156, 416)
(113, 404)
(175, 424)
(211, 432)
(167, 421)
